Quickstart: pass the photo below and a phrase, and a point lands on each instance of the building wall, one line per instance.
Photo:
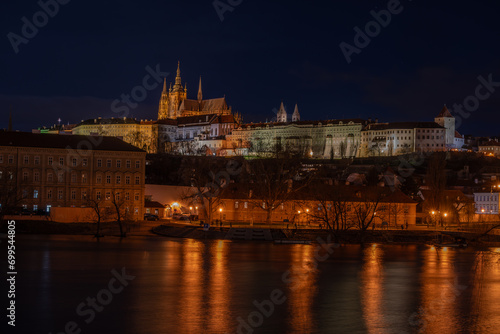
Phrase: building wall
(234, 210)
(49, 177)
(391, 142)
(323, 140)
(489, 202)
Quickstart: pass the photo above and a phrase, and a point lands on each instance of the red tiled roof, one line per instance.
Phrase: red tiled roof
(445, 113)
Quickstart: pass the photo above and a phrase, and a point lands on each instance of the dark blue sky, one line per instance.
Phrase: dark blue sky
(91, 52)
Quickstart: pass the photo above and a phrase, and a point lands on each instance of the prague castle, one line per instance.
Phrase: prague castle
(209, 127)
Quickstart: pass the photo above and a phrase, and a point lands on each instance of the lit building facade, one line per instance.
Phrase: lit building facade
(317, 139)
(51, 171)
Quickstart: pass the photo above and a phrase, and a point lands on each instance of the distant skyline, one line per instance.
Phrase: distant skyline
(263, 52)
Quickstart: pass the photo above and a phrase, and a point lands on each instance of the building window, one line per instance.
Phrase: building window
(84, 162)
(137, 164)
(84, 178)
(136, 196)
(127, 179)
(108, 179)
(73, 194)
(136, 211)
(99, 162)
(26, 159)
(84, 195)
(35, 207)
(50, 177)
(236, 205)
(137, 180)
(60, 177)
(108, 195)
(245, 205)
(61, 161)
(36, 160)
(129, 164)
(98, 195)
(73, 162)
(108, 163)
(36, 176)
(117, 196)
(50, 161)
(127, 196)
(35, 193)
(118, 163)
(60, 194)
(49, 194)
(73, 177)
(98, 178)
(1, 159)
(118, 179)
(25, 176)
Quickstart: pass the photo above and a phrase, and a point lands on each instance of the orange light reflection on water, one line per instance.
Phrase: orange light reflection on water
(303, 289)
(372, 290)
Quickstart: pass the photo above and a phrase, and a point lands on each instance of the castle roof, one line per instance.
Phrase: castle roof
(305, 123)
(112, 120)
(212, 105)
(402, 125)
(445, 113)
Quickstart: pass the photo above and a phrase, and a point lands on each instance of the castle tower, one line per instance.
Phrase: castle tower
(281, 117)
(296, 115)
(177, 94)
(164, 102)
(200, 94)
(446, 120)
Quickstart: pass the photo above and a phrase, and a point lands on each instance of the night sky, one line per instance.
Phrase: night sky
(87, 55)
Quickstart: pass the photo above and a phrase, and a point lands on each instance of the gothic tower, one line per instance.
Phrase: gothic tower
(446, 120)
(200, 94)
(164, 102)
(281, 116)
(177, 94)
(296, 115)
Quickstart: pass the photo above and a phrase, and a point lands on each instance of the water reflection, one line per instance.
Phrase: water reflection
(486, 295)
(303, 289)
(219, 319)
(438, 312)
(372, 289)
(191, 284)
(188, 286)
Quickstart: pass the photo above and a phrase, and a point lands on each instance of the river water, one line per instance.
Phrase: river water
(197, 286)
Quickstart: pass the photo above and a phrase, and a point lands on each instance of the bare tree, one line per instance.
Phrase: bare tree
(11, 196)
(275, 181)
(121, 212)
(96, 203)
(365, 206)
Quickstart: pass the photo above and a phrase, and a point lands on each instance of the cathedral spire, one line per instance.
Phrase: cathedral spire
(178, 81)
(164, 85)
(296, 115)
(200, 94)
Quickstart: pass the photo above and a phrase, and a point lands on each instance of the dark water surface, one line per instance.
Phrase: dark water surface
(193, 286)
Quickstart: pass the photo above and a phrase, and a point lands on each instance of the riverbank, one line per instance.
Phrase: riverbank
(222, 233)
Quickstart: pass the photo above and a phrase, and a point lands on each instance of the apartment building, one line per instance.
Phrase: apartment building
(50, 171)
